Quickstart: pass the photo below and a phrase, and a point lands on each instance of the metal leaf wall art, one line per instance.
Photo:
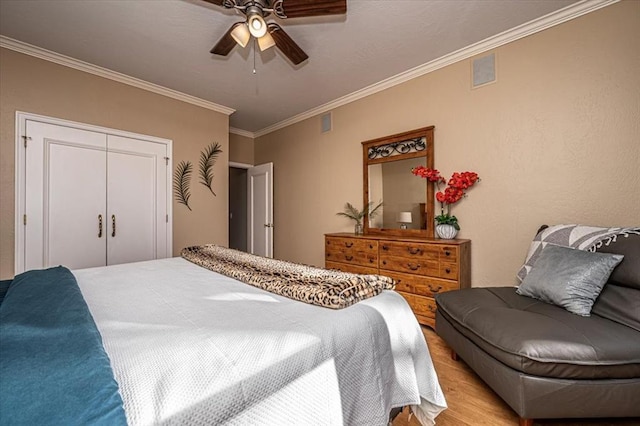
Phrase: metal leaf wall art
(182, 182)
(208, 159)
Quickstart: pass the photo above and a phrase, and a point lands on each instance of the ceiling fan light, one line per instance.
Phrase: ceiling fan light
(240, 34)
(265, 42)
(257, 26)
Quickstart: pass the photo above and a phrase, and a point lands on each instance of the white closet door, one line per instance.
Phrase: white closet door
(65, 196)
(136, 200)
(260, 212)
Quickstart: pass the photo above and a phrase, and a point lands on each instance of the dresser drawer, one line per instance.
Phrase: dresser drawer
(420, 285)
(356, 258)
(418, 266)
(448, 270)
(409, 250)
(354, 269)
(353, 251)
(351, 244)
(448, 254)
(424, 306)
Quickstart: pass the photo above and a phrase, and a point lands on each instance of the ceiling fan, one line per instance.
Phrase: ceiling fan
(271, 34)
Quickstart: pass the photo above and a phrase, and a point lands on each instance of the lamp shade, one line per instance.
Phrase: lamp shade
(265, 42)
(257, 26)
(404, 217)
(240, 34)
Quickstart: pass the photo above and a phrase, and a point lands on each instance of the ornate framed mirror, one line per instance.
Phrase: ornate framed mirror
(408, 204)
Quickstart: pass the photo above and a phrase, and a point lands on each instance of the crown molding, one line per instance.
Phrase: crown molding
(555, 18)
(47, 55)
(240, 132)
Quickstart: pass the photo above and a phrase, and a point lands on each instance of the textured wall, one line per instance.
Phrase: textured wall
(555, 140)
(32, 85)
(241, 149)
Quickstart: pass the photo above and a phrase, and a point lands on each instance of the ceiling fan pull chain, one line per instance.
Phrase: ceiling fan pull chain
(254, 55)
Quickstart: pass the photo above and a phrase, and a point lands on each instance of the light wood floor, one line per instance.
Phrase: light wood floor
(472, 403)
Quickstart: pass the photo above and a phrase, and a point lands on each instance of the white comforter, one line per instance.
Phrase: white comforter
(189, 346)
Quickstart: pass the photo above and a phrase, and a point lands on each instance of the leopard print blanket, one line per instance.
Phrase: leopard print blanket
(317, 286)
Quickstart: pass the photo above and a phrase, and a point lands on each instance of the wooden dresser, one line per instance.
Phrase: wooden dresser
(421, 267)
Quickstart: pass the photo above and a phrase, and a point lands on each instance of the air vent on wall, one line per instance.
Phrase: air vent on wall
(325, 122)
(483, 70)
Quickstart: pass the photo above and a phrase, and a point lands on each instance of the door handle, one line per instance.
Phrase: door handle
(99, 226)
(268, 225)
(113, 225)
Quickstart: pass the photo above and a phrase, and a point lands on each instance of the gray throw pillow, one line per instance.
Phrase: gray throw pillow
(569, 278)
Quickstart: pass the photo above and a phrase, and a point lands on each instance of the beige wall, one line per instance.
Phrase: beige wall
(32, 85)
(555, 140)
(241, 149)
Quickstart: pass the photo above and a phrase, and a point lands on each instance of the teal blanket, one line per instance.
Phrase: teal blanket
(53, 367)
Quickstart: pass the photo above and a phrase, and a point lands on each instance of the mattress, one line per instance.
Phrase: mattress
(190, 346)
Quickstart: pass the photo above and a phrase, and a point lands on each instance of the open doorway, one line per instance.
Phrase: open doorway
(251, 208)
(238, 208)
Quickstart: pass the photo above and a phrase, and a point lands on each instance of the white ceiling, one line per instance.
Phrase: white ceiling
(167, 42)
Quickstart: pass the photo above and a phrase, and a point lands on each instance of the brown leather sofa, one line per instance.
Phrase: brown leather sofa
(546, 362)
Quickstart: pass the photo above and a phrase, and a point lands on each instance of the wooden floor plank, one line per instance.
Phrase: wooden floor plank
(472, 403)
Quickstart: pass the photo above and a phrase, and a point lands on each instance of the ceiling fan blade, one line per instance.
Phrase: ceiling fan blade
(286, 45)
(226, 42)
(302, 8)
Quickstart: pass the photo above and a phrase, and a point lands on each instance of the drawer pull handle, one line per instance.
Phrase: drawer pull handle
(432, 309)
(435, 290)
(384, 262)
(370, 246)
(348, 245)
(328, 254)
(413, 250)
(385, 247)
(370, 260)
(349, 258)
(448, 271)
(447, 253)
(413, 267)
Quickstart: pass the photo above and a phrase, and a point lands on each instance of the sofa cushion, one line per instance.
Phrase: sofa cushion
(620, 299)
(569, 278)
(542, 339)
(627, 273)
(580, 237)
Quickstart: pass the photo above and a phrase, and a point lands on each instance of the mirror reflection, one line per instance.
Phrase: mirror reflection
(408, 202)
(403, 195)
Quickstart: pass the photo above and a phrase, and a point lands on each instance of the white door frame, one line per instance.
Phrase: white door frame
(20, 175)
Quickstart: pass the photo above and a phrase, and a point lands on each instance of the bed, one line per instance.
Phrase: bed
(186, 345)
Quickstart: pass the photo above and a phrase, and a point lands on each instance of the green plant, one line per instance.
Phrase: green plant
(357, 215)
(446, 219)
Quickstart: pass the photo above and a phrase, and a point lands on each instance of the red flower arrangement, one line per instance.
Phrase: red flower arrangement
(454, 192)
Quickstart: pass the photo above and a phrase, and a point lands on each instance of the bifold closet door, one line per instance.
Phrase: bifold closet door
(92, 198)
(65, 197)
(136, 200)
